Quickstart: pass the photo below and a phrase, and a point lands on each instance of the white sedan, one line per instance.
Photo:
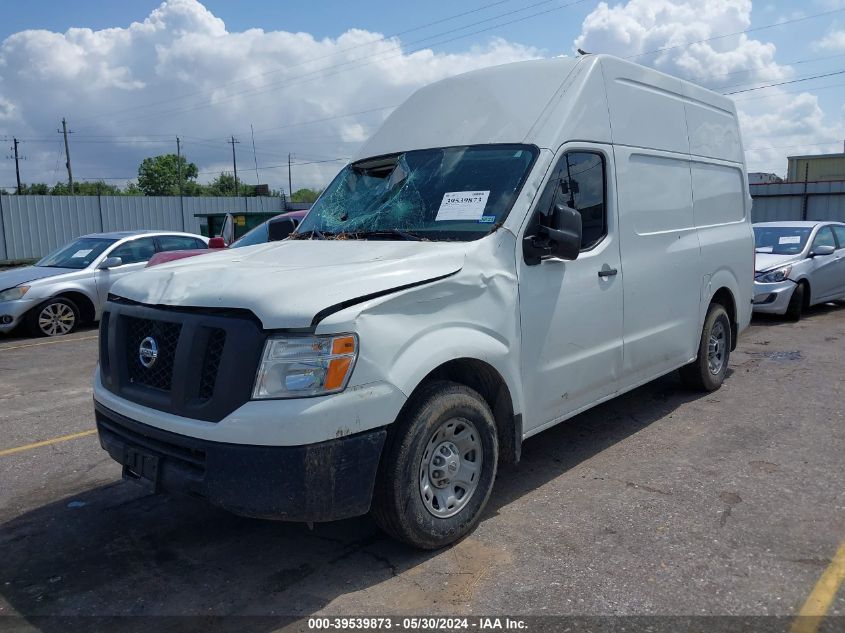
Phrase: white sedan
(70, 286)
(797, 265)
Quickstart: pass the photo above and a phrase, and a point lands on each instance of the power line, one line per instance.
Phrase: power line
(784, 83)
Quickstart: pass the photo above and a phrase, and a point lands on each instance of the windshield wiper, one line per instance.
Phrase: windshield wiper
(405, 235)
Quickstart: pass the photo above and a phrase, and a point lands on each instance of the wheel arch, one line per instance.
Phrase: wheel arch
(725, 298)
(482, 377)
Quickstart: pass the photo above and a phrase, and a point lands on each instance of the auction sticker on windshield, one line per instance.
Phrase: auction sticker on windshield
(790, 239)
(462, 205)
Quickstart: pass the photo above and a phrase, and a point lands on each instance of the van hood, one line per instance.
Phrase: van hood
(287, 284)
(18, 276)
(767, 261)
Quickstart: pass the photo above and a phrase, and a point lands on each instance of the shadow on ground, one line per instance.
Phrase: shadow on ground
(114, 551)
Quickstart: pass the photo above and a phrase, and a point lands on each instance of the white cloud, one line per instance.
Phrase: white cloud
(636, 27)
(274, 80)
(833, 41)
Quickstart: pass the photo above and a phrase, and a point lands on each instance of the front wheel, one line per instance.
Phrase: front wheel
(796, 302)
(54, 317)
(438, 468)
(707, 371)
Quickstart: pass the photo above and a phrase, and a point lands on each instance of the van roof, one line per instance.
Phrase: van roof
(546, 102)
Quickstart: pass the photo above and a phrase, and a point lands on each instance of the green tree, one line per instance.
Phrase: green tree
(305, 195)
(35, 189)
(224, 185)
(159, 175)
(132, 189)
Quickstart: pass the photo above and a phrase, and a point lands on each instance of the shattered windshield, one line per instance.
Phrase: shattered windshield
(453, 193)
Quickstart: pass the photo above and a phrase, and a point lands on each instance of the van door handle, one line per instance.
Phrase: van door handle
(607, 272)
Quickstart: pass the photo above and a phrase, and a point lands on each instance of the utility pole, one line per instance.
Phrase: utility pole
(15, 142)
(179, 176)
(67, 155)
(290, 190)
(235, 163)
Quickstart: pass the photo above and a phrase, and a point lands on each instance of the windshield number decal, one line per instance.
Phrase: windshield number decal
(790, 239)
(462, 205)
(81, 253)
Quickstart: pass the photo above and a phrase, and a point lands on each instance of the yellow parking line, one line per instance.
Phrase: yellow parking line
(55, 440)
(818, 602)
(52, 342)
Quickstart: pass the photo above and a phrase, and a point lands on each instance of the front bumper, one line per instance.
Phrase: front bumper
(773, 298)
(325, 481)
(11, 312)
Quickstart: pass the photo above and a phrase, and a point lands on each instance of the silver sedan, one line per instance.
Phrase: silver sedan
(70, 285)
(797, 265)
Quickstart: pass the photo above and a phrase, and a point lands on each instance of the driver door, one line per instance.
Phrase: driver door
(135, 254)
(571, 311)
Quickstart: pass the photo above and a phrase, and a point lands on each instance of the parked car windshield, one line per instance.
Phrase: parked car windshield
(453, 193)
(258, 235)
(781, 240)
(78, 254)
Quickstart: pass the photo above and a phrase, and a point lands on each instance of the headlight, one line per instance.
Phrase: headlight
(773, 276)
(13, 293)
(297, 366)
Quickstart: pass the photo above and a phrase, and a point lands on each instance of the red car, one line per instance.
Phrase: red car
(275, 229)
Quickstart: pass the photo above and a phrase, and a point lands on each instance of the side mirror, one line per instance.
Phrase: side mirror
(562, 238)
(216, 242)
(821, 251)
(110, 262)
(280, 229)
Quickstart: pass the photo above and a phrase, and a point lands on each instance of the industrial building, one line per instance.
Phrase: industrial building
(816, 168)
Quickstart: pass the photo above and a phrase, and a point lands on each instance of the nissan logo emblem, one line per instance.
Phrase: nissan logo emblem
(148, 352)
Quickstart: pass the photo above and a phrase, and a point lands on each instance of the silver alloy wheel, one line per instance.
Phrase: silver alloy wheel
(450, 468)
(716, 348)
(56, 319)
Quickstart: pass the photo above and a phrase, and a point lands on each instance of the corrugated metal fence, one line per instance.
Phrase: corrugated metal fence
(799, 201)
(32, 226)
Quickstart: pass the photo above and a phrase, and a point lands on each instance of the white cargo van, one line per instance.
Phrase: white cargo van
(512, 247)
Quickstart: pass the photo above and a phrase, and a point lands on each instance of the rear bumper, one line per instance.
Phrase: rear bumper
(773, 298)
(317, 482)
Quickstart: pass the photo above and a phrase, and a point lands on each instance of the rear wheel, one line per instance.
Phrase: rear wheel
(54, 317)
(796, 302)
(707, 371)
(438, 468)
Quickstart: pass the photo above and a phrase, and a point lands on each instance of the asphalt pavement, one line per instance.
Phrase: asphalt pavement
(661, 502)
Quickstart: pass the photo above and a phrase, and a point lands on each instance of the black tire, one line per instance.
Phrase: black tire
(398, 505)
(796, 302)
(698, 374)
(58, 306)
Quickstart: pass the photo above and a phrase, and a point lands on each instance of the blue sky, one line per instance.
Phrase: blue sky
(188, 77)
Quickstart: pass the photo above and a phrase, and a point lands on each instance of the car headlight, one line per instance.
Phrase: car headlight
(773, 276)
(13, 293)
(298, 366)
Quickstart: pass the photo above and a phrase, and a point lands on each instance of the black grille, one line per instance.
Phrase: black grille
(166, 335)
(211, 363)
(206, 362)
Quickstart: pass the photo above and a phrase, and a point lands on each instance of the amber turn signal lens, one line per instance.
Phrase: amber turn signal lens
(336, 373)
(343, 345)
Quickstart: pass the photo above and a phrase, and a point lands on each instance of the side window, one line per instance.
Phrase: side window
(840, 234)
(177, 243)
(824, 238)
(199, 244)
(136, 251)
(579, 182)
